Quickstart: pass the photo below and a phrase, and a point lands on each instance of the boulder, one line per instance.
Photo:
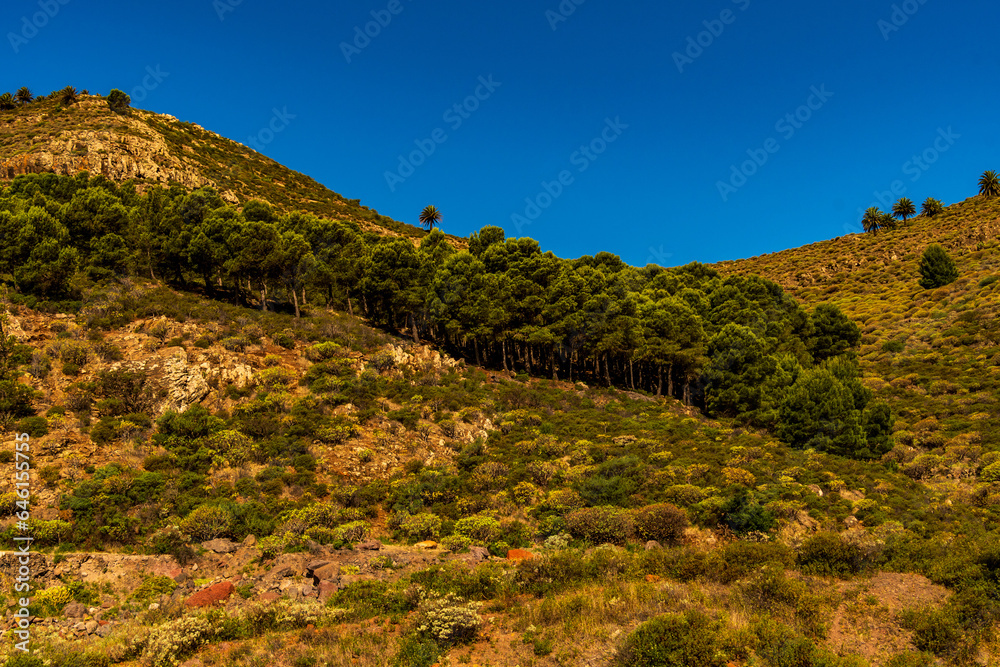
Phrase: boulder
(652, 545)
(369, 545)
(214, 594)
(429, 544)
(328, 572)
(221, 546)
(519, 554)
(326, 590)
(479, 554)
(74, 610)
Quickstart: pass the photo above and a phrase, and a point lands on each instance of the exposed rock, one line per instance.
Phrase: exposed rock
(428, 544)
(369, 545)
(74, 610)
(212, 595)
(328, 572)
(653, 545)
(479, 554)
(250, 541)
(221, 546)
(326, 590)
(519, 554)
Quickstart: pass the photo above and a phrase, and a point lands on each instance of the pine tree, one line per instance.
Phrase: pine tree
(937, 268)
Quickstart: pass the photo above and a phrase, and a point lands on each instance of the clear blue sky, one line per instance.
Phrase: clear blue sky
(653, 193)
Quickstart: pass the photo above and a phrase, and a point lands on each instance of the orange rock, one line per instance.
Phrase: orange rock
(653, 578)
(519, 554)
(211, 595)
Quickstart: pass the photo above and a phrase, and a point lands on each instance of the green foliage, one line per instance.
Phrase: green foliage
(36, 427)
(600, 524)
(828, 554)
(937, 268)
(932, 207)
(663, 522)
(118, 101)
(207, 522)
(833, 333)
(685, 640)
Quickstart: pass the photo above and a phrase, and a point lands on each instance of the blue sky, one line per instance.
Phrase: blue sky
(579, 116)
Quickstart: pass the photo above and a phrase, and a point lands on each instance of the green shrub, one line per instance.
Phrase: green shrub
(36, 427)
(152, 588)
(937, 268)
(423, 526)
(663, 522)
(448, 619)
(481, 529)
(207, 522)
(827, 554)
(600, 524)
(678, 640)
(284, 339)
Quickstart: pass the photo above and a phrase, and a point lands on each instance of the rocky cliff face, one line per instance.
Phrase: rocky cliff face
(128, 148)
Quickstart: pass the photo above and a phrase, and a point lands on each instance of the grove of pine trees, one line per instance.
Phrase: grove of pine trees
(738, 346)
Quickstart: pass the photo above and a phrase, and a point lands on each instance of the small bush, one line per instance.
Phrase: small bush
(663, 522)
(600, 524)
(421, 526)
(449, 619)
(284, 340)
(36, 427)
(827, 554)
(681, 640)
(206, 523)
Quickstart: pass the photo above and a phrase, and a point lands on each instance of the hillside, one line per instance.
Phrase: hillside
(263, 436)
(933, 354)
(150, 148)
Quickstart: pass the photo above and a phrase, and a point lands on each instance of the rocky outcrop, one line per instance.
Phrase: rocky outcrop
(129, 149)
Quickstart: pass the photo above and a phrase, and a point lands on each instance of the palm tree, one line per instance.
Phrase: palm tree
(888, 221)
(24, 96)
(430, 217)
(67, 96)
(904, 209)
(872, 221)
(932, 207)
(989, 185)
(6, 101)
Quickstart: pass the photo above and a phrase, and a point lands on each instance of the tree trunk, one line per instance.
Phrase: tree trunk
(631, 374)
(503, 349)
(350, 308)
(555, 363)
(295, 299)
(607, 370)
(659, 386)
(413, 323)
(670, 380)
(263, 298)
(475, 343)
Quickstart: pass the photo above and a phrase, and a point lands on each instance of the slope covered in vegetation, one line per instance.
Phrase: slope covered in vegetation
(818, 492)
(69, 134)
